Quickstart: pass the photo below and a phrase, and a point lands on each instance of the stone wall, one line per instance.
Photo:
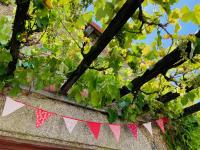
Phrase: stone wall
(5, 10)
(21, 125)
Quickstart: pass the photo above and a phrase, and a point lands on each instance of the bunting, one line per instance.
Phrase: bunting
(70, 123)
(11, 106)
(94, 128)
(134, 130)
(116, 131)
(148, 127)
(160, 123)
(41, 117)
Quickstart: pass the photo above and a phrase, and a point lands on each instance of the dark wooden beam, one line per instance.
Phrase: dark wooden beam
(170, 61)
(190, 110)
(18, 28)
(115, 25)
(161, 67)
(171, 96)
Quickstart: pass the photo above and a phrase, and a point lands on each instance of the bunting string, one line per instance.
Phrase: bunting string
(42, 115)
(80, 120)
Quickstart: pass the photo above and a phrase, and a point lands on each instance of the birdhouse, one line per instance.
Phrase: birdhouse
(93, 31)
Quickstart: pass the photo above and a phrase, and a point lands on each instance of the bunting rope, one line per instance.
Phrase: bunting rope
(80, 120)
(42, 115)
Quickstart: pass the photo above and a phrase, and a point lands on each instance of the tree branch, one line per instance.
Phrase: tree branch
(116, 24)
(163, 26)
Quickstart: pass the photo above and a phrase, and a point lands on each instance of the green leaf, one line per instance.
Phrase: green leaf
(2, 69)
(38, 4)
(39, 85)
(95, 98)
(112, 115)
(184, 101)
(159, 39)
(197, 14)
(177, 27)
(78, 97)
(42, 22)
(2, 84)
(193, 16)
(187, 15)
(14, 91)
(5, 29)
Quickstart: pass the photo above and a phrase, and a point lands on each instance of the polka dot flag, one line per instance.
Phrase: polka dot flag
(41, 117)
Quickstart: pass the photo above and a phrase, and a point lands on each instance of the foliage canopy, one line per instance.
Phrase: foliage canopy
(161, 79)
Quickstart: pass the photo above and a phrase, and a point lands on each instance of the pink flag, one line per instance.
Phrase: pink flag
(41, 117)
(70, 124)
(116, 131)
(94, 128)
(134, 130)
(11, 106)
(148, 127)
(160, 123)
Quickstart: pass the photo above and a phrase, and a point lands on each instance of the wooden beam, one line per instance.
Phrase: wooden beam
(115, 25)
(170, 61)
(18, 28)
(171, 96)
(190, 110)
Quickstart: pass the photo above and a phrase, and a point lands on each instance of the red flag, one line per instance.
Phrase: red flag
(165, 120)
(160, 123)
(41, 117)
(94, 128)
(134, 130)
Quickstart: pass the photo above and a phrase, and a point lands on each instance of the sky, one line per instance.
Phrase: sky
(187, 28)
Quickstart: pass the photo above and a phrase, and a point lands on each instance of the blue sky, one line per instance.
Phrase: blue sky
(187, 28)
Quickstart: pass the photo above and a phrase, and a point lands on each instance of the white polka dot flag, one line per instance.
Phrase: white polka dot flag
(94, 127)
(41, 117)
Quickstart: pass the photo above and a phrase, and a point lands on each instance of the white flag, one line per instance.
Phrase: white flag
(148, 127)
(70, 124)
(11, 106)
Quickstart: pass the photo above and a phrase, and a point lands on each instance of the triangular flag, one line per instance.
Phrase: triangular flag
(116, 131)
(160, 123)
(134, 130)
(94, 128)
(70, 124)
(148, 127)
(165, 120)
(11, 106)
(41, 117)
